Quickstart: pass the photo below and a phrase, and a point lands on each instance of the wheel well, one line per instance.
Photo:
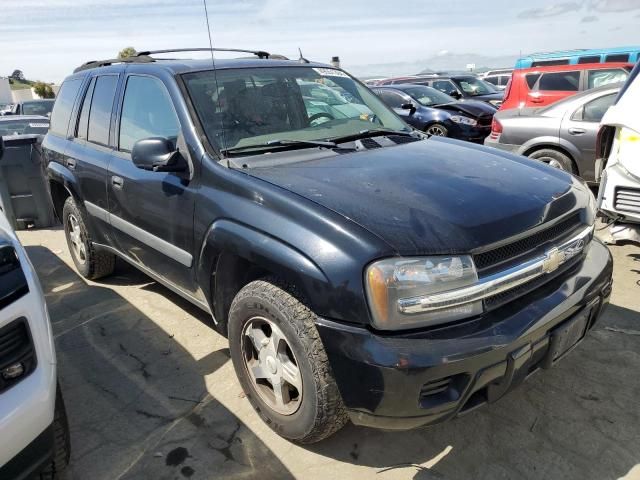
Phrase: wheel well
(231, 274)
(59, 195)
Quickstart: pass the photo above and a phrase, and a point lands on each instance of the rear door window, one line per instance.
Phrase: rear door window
(560, 81)
(598, 78)
(101, 106)
(83, 122)
(147, 111)
(61, 113)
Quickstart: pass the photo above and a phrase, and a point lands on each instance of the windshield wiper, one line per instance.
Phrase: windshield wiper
(374, 132)
(274, 144)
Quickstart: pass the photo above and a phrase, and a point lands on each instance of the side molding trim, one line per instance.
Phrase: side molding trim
(162, 246)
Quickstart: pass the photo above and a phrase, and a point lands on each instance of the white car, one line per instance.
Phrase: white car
(34, 435)
(618, 152)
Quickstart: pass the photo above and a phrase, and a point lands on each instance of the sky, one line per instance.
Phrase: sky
(47, 39)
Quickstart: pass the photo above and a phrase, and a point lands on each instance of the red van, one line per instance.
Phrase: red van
(542, 86)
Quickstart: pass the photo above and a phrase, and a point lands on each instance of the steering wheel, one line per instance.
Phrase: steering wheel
(320, 115)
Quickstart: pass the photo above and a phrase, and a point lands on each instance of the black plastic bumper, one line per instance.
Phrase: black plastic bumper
(411, 379)
(32, 459)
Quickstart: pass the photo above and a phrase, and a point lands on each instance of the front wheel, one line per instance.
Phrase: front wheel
(281, 363)
(437, 129)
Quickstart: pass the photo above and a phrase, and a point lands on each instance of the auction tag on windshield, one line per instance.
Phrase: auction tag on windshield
(39, 125)
(330, 72)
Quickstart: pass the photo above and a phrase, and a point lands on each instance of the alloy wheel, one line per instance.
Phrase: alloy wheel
(437, 130)
(271, 365)
(75, 236)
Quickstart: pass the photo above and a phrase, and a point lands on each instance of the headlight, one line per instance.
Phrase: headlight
(464, 120)
(397, 289)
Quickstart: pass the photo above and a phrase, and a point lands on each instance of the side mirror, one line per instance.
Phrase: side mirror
(158, 154)
(455, 94)
(409, 106)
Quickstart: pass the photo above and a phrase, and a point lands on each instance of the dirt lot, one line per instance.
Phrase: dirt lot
(151, 394)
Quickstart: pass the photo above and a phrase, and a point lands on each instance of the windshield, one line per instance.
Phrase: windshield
(428, 96)
(474, 86)
(37, 108)
(254, 106)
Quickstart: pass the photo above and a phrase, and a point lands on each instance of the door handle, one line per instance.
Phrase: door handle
(117, 182)
(71, 163)
(577, 131)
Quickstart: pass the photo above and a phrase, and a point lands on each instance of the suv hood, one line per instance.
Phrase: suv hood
(435, 195)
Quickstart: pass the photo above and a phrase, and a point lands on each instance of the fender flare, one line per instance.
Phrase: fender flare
(225, 237)
(60, 174)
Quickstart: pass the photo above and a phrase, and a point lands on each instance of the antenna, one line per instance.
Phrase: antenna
(215, 73)
(302, 59)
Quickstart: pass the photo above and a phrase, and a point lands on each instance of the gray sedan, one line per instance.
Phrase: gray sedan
(562, 135)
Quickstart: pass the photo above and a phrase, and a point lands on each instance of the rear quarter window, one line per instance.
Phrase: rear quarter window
(64, 105)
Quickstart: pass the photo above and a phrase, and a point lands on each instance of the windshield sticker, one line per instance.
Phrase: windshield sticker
(330, 72)
(39, 125)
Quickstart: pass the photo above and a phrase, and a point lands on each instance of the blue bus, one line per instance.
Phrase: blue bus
(573, 57)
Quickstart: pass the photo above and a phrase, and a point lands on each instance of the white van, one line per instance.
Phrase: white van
(618, 152)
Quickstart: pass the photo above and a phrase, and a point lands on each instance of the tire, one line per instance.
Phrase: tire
(437, 129)
(90, 263)
(61, 441)
(316, 410)
(555, 159)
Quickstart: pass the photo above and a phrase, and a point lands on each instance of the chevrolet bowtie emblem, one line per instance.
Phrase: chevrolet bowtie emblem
(553, 259)
(556, 257)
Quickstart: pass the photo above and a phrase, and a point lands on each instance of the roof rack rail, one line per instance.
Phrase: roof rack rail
(104, 63)
(145, 56)
(258, 53)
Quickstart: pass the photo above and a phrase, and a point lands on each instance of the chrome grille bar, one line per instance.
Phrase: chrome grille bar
(501, 281)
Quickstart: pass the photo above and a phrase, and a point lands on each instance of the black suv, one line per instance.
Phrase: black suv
(360, 269)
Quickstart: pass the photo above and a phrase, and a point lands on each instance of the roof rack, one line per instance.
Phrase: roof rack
(145, 56)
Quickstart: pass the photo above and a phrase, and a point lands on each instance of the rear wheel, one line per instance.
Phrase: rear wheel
(554, 159)
(90, 262)
(281, 363)
(437, 129)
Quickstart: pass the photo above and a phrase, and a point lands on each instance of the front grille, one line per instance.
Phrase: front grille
(507, 296)
(16, 347)
(495, 257)
(627, 200)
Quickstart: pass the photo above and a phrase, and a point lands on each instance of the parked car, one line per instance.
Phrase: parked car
(562, 135)
(542, 86)
(23, 124)
(498, 80)
(33, 422)
(618, 152)
(394, 80)
(349, 262)
(580, 56)
(6, 108)
(467, 87)
(436, 113)
(32, 107)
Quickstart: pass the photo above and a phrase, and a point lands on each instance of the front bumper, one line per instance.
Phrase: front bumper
(475, 134)
(32, 459)
(406, 380)
(613, 178)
